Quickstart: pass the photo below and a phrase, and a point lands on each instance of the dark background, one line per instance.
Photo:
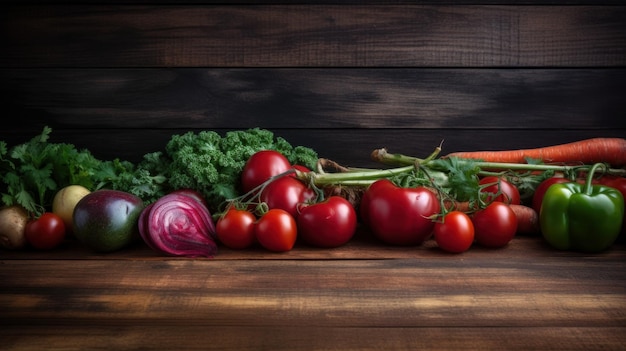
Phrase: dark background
(120, 78)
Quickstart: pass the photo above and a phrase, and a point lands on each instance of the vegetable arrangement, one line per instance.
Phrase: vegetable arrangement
(32, 174)
(251, 188)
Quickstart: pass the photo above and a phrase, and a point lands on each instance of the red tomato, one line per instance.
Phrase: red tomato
(400, 216)
(618, 183)
(276, 230)
(261, 166)
(365, 201)
(494, 226)
(236, 229)
(300, 168)
(45, 232)
(507, 192)
(541, 190)
(455, 233)
(330, 223)
(287, 193)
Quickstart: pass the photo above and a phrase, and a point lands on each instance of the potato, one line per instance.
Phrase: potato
(13, 220)
(64, 202)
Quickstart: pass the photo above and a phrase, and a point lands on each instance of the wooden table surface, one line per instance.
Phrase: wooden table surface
(363, 296)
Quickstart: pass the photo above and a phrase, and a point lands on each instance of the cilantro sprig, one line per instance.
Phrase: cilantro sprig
(32, 172)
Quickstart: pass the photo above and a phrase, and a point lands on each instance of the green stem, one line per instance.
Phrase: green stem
(363, 177)
(381, 155)
(588, 184)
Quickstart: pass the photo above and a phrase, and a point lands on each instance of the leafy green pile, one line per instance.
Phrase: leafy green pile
(212, 164)
(32, 172)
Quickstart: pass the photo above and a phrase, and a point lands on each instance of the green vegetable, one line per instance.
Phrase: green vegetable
(211, 164)
(581, 217)
(34, 171)
(31, 173)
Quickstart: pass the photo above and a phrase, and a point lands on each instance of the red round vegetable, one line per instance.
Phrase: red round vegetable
(235, 229)
(455, 232)
(330, 223)
(178, 225)
(276, 230)
(287, 193)
(45, 232)
(261, 166)
(500, 189)
(495, 225)
(400, 216)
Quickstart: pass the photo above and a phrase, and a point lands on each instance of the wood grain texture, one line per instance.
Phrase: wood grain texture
(319, 98)
(342, 113)
(522, 296)
(313, 36)
(201, 337)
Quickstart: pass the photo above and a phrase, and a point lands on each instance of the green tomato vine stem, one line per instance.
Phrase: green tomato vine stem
(403, 164)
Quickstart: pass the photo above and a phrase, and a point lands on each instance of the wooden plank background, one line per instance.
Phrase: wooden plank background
(342, 79)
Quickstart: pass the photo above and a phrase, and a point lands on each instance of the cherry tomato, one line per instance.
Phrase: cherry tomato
(508, 193)
(45, 232)
(495, 225)
(261, 166)
(330, 223)
(455, 233)
(400, 216)
(235, 229)
(276, 230)
(541, 190)
(287, 193)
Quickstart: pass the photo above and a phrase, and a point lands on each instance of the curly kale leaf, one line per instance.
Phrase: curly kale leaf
(211, 164)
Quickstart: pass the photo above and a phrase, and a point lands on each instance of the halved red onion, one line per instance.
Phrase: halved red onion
(179, 225)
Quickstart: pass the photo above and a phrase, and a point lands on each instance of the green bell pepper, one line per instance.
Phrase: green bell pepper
(581, 217)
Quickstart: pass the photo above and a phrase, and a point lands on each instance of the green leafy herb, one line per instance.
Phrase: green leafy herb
(34, 171)
(211, 164)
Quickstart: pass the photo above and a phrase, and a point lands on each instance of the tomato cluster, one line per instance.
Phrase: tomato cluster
(292, 210)
(395, 215)
(409, 216)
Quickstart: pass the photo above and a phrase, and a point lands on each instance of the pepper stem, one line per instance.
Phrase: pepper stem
(590, 176)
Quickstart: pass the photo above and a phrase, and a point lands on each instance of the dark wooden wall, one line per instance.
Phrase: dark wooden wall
(120, 78)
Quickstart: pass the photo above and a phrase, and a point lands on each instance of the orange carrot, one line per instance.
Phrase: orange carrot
(527, 219)
(463, 206)
(586, 151)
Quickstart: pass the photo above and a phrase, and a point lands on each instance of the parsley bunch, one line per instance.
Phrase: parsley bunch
(34, 171)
